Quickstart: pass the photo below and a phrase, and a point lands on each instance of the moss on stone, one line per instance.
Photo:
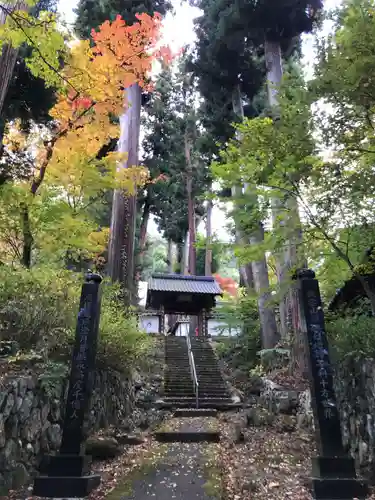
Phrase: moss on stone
(213, 486)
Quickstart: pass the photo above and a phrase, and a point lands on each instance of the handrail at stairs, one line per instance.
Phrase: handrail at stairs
(193, 369)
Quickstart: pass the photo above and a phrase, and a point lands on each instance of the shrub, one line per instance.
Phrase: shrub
(38, 310)
(352, 336)
(242, 351)
(121, 343)
(37, 307)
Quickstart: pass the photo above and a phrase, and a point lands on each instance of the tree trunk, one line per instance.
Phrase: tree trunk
(8, 56)
(272, 52)
(246, 272)
(270, 335)
(208, 259)
(123, 220)
(170, 256)
(191, 211)
(285, 213)
(259, 271)
(144, 225)
(172, 318)
(27, 237)
(185, 260)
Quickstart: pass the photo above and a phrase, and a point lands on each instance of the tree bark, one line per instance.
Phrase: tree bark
(208, 257)
(8, 56)
(123, 220)
(27, 237)
(259, 271)
(191, 210)
(185, 260)
(285, 213)
(270, 334)
(144, 225)
(170, 256)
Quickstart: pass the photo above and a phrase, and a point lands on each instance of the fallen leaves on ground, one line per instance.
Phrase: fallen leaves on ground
(271, 462)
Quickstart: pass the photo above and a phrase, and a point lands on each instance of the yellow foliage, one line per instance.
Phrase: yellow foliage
(68, 176)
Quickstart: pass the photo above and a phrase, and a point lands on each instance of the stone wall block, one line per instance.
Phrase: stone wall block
(32, 426)
(2, 432)
(54, 435)
(9, 404)
(27, 404)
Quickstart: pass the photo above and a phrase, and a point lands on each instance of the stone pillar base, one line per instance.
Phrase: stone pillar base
(334, 478)
(65, 487)
(66, 476)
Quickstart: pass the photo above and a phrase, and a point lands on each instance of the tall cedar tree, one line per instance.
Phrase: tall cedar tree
(273, 23)
(231, 73)
(170, 119)
(90, 14)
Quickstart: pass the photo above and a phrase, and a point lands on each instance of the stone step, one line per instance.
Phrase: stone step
(212, 388)
(182, 379)
(195, 412)
(173, 364)
(179, 394)
(204, 354)
(208, 368)
(182, 371)
(206, 364)
(191, 394)
(187, 437)
(209, 380)
(205, 399)
(174, 377)
(209, 374)
(177, 387)
(212, 391)
(177, 358)
(170, 405)
(185, 367)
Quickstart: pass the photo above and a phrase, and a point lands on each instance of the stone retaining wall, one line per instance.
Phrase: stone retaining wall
(355, 388)
(31, 416)
(355, 392)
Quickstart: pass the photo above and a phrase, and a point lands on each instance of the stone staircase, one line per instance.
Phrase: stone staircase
(210, 379)
(177, 376)
(178, 384)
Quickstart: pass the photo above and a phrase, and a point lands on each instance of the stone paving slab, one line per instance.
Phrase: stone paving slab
(181, 474)
(181, 479)
(190, 424)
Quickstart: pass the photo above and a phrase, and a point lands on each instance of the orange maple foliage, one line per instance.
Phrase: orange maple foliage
(121, 56)
(227, 285)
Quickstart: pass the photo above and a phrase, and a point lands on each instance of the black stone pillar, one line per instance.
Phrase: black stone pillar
(334, 475)
(67, 474)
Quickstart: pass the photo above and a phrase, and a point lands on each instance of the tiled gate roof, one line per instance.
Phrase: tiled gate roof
(184, 284)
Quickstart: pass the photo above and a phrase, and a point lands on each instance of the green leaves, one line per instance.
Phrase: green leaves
(43, 36)
(344, 79)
